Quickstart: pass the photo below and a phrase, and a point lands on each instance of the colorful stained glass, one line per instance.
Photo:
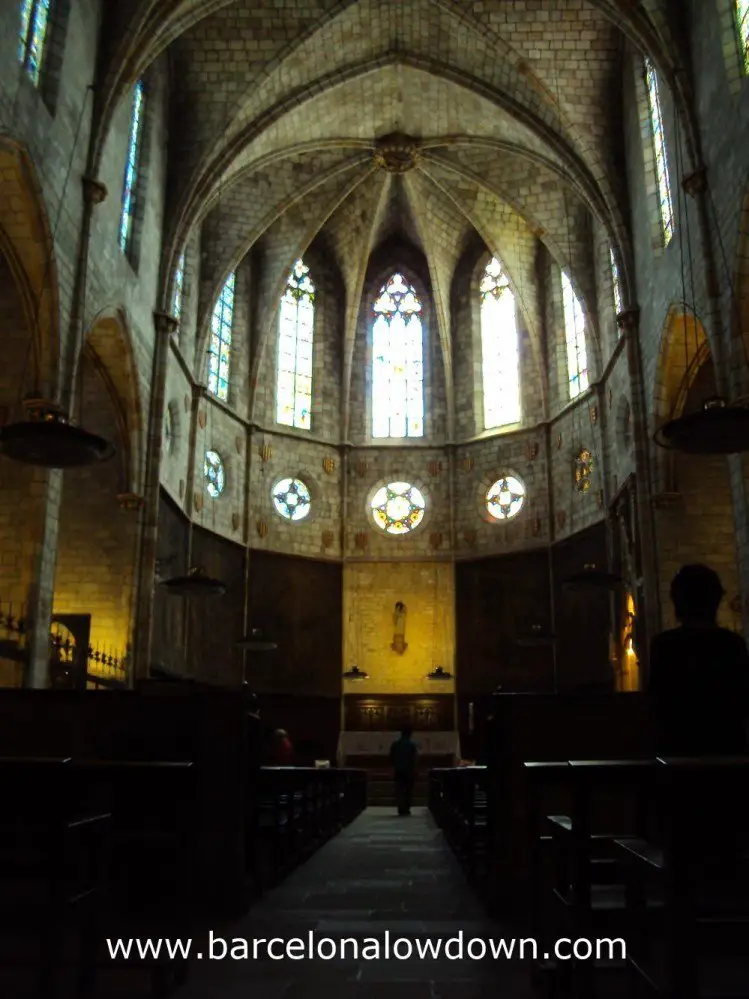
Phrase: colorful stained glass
(130, 186)
(500, 357)
(33, 35)
(215, 476)
(574, 335)
(398, 507)
(615, 281)
(505, 498)
(296, 327)
(665, 202)
(219, 351)
(179, 288)
(292, 499)
(397, 362)
(742, 24)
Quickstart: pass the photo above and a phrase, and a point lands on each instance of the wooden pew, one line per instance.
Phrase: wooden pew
(698, 860)
(458, 800)
(547, 727)
(54, 854)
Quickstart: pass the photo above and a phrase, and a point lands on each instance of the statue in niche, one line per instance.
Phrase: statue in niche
(399, 643)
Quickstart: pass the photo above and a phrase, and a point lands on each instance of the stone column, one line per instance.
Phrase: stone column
(164, 325)
(629, 324)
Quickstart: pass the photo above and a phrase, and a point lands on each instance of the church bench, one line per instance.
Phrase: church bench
(554, 728)
(458, 801)
(54, 851)
(698, 860)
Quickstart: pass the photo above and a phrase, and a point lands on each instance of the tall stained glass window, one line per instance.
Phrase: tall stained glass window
(219, 353)
(397, 362)
(130, 186)
(179, 288)
(500, 359)
(574, 335)
(615, 281)
(295, 339)
(665, 202)
(33, 35)
(742, 24)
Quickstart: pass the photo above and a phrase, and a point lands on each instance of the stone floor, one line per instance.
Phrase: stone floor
(383, 874)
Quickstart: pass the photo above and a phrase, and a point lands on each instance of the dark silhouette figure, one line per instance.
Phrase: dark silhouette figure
(699, 674)
(282, 750)
(403, 756)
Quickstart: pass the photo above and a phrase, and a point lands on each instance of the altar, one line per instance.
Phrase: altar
(353, 744)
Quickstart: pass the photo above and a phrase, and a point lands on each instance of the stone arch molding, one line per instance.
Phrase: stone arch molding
(26, 241)
(108, 344)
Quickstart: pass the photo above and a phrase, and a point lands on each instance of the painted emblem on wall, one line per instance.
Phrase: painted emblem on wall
(328, 464)
(262, 528)
(362, 467)
(599, 498)
(559, 441)
(531, 450)
(467, 464)
(239, 444)
(187, 403)
(197, 500)
(202, 418)
(265, 451)
(593, 415)
(327, 538)
(435, 539)
(235, 519)
(536, 526)
(561, 518)
(470, 537)
(435, 467)
(583, 469)
(361, 540)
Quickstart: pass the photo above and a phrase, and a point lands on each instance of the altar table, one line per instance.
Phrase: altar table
(379, 743)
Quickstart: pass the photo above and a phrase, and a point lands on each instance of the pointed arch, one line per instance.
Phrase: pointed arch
(500, 349)
(397, 336)
(108, 345)
(296, 334)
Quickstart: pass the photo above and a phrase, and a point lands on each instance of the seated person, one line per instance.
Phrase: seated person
(699, 673)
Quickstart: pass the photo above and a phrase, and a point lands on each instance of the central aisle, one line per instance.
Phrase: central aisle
(382, 873)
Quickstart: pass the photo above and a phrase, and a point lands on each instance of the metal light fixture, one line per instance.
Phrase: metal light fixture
(48, 440)
(197, 583)
(536, 637)
(591, 578)
(439, 673)
(255, 642)
(356, 674)
(717, 428)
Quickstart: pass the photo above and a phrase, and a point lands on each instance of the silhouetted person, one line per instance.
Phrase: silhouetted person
(282, 750)
(699, 674)
(403, 756)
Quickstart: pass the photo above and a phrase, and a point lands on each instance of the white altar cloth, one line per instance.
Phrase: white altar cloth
(379, 743)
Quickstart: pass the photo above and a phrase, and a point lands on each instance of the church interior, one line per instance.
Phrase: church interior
(367, 366)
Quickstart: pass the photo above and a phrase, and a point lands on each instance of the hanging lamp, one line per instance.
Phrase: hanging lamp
(590, 578)
(440, 674)
(717, 428)
(536, 637)
(255, 642)
(197, 583)
(355, 674)
(47, 439)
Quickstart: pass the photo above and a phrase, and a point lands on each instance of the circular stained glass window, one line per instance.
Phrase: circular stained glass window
(291, 499)
(215, 476)
(398, 507)
(505, 499)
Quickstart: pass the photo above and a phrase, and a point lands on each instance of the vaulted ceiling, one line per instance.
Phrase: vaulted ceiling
(290, 117)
